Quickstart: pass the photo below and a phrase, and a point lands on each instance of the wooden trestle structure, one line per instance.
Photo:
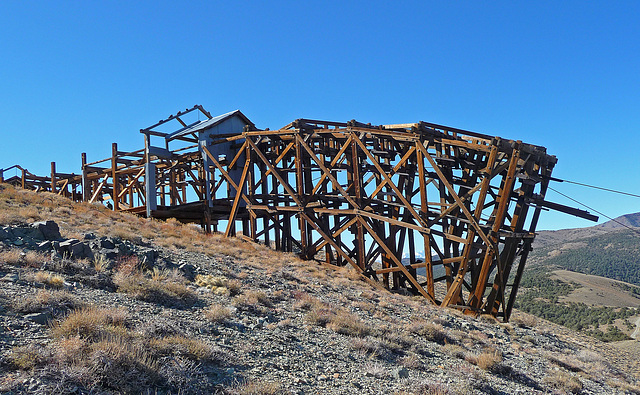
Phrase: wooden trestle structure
(345, 193)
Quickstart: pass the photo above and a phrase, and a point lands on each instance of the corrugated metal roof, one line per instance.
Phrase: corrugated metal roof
(207, 124)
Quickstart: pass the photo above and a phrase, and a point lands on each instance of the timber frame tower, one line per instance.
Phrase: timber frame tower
(369, 196)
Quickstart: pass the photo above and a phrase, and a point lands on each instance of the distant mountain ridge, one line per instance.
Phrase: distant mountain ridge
(632, 220)
(546, 238)
(609, 250)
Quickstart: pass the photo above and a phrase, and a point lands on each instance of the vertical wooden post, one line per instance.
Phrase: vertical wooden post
(149, 179)
(114, 176)
(53, 177)
(130, 180)
(302, 225)
(86, 194)
(356, 180)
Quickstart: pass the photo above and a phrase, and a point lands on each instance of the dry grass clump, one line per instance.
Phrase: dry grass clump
(331, 317)
(217, 313)
(51, 279)
(564, 382)
(165, 287)
(304, 301)
(454, 350)
(124, 231)
(28, 357)
(10, 217)
(490, 361)
(28, 214)
(218, 285)
(623, 386)
(252, 299)
(429, 331)
(411, 360)
(400, 337)
(179, 345)
(12, 256)
(376, 370)
(95, 349)
(589, 356)
(368, 346)
(122, 365)
(567, 362)
(524, 320)
(34, 259)
(92, 323)
(346, 323)
(100, 263)
(56, 302)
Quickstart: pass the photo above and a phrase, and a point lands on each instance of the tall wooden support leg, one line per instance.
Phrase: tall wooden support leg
(86, 191)
(114, 177)
(53, 177)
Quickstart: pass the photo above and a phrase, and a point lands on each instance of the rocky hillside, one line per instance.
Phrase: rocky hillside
(93, 301)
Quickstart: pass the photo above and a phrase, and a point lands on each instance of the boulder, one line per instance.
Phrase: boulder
(10, 278)
(45, 245)
(39, 318)
(147, 256)
(28, 233)
(401, 373)
(76, 249)
(49, 230)
(106, 243)
(188, 270)
(109, 254)
(5, 233)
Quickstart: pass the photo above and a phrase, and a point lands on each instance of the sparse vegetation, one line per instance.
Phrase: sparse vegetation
(92, 323)
(56, 302)
(564, 382)
(217, 313)
(331, 317)
(161, 287)
(52, 279)
(218, 285)
(252, 299)
(12, 256)
(489, 360)
(430, 331)
(99, 347)
(28, 357)
(540, 297)
(612, 255)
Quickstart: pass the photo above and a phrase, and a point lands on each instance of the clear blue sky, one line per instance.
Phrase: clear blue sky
(77, 76)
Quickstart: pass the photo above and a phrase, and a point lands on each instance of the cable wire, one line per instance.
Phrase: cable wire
(596, 187)
(593, 209)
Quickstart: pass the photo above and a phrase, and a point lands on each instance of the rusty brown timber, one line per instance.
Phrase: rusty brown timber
(348, 194)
